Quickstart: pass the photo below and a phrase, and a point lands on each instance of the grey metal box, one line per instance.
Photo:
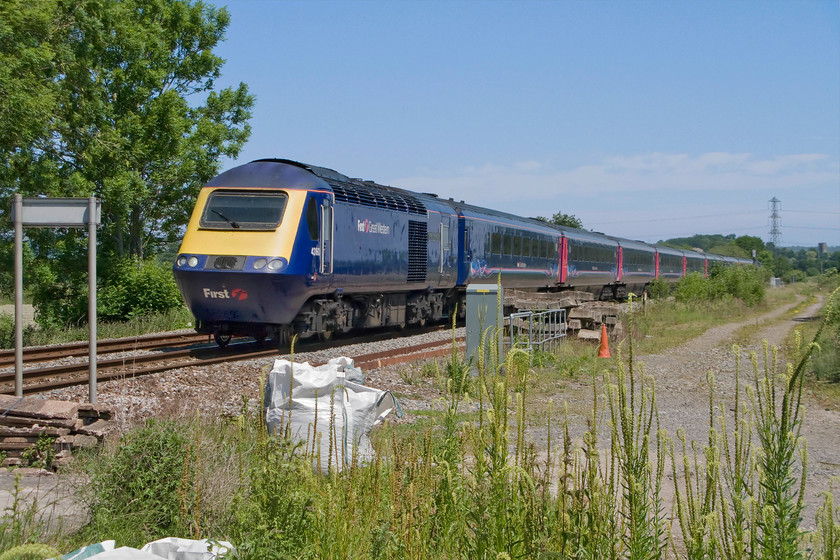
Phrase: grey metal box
(484, 315)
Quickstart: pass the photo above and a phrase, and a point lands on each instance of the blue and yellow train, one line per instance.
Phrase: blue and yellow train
(276, 247)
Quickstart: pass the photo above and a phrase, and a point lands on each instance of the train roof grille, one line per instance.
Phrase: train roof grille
(375, 196)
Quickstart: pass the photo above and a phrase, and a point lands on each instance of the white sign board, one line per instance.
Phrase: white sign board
(58, 212)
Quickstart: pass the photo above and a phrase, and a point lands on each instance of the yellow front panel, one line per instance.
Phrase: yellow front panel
(275, 243)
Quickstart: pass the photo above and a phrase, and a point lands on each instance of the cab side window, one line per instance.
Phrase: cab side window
(312, 219)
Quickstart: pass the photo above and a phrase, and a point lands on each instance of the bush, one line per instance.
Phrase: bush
(826, 363)
(128, 288)
(829, 280)
(60, 299)
(659, 289)
(141, 491)
(692, 288)
(795, 276)
(746, 283)
(7, 332)
(135, 288)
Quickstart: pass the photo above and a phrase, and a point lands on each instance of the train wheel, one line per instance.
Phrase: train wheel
(222, 339)
(283, 337)
(260, 334)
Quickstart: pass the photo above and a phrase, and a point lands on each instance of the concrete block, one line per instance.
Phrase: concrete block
(587, 334)
(33, 407)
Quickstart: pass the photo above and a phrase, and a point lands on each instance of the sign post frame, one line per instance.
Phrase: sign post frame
(54, 213)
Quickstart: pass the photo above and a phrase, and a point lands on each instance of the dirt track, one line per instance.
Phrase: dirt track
(682, 395)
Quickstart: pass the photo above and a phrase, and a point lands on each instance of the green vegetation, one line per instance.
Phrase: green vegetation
(789, 264)
(666, 323)
(746, 284)
(563, 219)
(146, 481)
(469, 483)
(114, 99)
(826, 363)
(138, 288)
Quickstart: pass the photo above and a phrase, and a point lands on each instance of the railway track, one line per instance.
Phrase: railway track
(41, 379)
(78, 349)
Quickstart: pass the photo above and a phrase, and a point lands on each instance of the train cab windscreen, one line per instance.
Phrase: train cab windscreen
(238, 210)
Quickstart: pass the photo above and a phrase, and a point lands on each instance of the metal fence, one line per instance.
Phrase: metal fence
(540, 330)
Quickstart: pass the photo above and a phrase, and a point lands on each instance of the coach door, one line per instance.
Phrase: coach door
(326, 245)
(445, 249)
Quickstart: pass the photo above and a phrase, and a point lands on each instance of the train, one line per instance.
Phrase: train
(276, 248)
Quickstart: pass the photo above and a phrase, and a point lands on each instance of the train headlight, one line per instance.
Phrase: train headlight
(260, 263)
(182, 260)
(276, 264)
(192, 261)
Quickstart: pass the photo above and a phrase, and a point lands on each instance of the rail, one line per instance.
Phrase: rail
(43, 379)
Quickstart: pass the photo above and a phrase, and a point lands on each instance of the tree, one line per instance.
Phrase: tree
(563, 219)
(113, 98)
(121, 125)
(750, 243)
(27, 86)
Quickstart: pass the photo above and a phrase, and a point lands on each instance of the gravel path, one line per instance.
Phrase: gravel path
(682, 395)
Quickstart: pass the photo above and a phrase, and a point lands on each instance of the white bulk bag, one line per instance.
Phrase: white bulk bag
(355, 408)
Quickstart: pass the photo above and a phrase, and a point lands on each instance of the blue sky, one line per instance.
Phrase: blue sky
(645, 119)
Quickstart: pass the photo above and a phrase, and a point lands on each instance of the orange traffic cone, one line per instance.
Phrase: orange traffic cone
(604, 350)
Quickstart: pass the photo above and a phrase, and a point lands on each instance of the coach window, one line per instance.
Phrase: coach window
(497, 244)
(507, 244)
(517, 246)
(312, 219)
(526, 247)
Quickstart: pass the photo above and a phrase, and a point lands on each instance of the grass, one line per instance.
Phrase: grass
(466, 481)
(825, 391)
(667, 323)
(747, 332)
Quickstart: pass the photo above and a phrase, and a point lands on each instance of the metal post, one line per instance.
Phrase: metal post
(92, 298)
(18, 212)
